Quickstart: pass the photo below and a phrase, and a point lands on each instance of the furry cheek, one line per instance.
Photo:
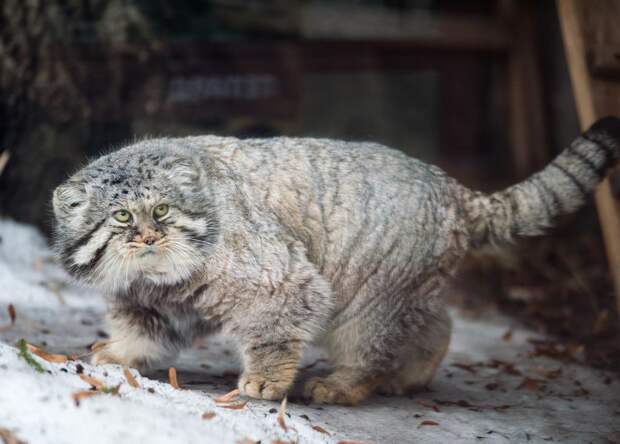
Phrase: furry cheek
(170, 262)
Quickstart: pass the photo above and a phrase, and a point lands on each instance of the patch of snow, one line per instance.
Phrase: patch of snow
(481, 393)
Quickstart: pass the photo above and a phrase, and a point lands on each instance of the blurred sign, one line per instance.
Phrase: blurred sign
(246, 87)
(189, 81)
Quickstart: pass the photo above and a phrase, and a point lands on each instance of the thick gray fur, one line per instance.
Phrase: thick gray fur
(283, 242)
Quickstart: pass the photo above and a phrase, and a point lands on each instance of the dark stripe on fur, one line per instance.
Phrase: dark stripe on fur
(539, 183)
(83, 240)
(531, 207)
(596, 169)
(84, 269)
(572, 178)
(607, 149)
(209, 237)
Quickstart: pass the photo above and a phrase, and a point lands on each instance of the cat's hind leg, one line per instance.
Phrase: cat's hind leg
(375, 348)
(422, 358)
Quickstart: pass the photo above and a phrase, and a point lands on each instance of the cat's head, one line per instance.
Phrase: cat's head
(141, 213)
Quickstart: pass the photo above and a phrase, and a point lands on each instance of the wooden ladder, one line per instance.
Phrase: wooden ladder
(591, 38)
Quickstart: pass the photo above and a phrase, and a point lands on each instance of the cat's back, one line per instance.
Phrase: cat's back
(352, 203)
(328, 158)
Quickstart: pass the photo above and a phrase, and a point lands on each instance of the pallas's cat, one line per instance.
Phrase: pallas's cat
(283, 242)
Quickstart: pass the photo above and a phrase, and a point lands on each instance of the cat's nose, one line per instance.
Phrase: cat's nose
(148, 236)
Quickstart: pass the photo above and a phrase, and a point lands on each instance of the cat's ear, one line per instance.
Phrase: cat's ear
(185, 172)
(70, 199)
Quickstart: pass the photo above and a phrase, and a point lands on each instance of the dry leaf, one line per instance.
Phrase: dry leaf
(99, 345)
(9, 437)
(92, 381)
(531, 384)
(468, 405)
(83, 394)
(462, 403)
(230, 396)
(549, 374)
(281, 413)
(320, 430)
(556, 350)
(428, 423)
(4, 159)
(501, 408)
(426, 404)
(130, 379)
(208, 415)
(172, 376)
(506, 367)
(49, 357)
(235, 406)
(467, 367)
(12, 313)
(581, 392)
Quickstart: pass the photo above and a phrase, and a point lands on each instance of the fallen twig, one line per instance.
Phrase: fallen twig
(9, 437)
(172, 376)
(4, 159)
(130, 379)
(228, 397)
(94, 382)
(281, 413)
(12, 317)
(49, 357)
(209, 415)
(82, 394)
(320, 430)
(234, 406)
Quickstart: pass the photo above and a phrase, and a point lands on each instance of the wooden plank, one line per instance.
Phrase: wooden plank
(605, 61)
(331, 21)
(528, 132)
(588, 109)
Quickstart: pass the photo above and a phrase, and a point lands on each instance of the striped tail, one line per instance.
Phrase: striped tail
(530, 207)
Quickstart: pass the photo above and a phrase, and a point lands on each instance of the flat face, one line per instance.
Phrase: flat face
(138, 213)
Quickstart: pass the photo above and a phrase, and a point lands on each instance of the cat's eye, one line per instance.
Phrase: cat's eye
(160, 211)
(122, 216)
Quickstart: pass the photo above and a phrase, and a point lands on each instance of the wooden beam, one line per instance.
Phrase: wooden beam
(589, 109)
(528, 132)
(328, 21)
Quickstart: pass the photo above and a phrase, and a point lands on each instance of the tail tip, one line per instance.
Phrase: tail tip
(609, 125)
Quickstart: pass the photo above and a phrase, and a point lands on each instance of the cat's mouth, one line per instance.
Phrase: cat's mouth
(148, 251)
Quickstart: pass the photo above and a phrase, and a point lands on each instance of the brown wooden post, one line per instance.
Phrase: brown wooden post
(528, 133)
(583, 25)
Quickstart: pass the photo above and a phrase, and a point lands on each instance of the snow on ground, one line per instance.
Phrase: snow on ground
(489, 389)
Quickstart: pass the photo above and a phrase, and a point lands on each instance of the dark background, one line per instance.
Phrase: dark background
(79, 77)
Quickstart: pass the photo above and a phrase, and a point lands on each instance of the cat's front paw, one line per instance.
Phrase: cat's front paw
(264, 386)
(108, 355)
(105, 357)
